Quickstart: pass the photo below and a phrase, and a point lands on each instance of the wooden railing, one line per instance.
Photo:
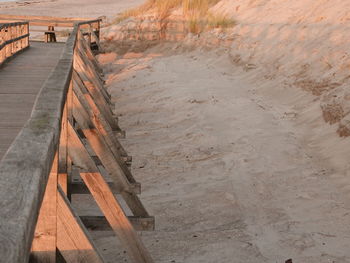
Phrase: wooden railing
(14, 37)
(49, 24)
(71, 132)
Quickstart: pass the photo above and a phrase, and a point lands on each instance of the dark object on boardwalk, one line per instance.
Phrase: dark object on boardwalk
(289, 261)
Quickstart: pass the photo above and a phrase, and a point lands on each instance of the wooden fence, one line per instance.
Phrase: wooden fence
(71, 132)
(49, 24)
(14, 37)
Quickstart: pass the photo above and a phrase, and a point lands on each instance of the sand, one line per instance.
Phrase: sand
(235, 159)
(68, 8)
(304, 41)
(228, 162)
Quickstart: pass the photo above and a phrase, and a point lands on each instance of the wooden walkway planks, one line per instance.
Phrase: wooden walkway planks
(20, 81)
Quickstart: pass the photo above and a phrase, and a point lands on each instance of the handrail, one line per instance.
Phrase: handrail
(47, 21)
(25, 168)
(2, 25)
(14, 37)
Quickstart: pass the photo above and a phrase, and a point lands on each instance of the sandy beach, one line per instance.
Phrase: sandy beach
(65, 8)
(231, 144)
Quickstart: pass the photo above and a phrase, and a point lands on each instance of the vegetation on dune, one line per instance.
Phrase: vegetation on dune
(195, 12)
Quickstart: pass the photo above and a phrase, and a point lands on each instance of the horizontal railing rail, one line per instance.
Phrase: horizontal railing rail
(49, 24)
(14, 37)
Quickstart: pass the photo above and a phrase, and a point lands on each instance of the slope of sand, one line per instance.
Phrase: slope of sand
(304, 41)
(226, 162)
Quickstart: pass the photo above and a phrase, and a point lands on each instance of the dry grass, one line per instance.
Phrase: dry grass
(196, 12)
(162, 8)
(197, 7)
(220, 21)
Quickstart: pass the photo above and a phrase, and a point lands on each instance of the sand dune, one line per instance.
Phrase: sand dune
(228, 162)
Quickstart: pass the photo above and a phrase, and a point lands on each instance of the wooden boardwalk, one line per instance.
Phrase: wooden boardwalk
(53, 98)
(20, 81)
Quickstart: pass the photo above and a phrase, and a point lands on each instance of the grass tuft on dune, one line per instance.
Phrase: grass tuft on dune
(195, 12)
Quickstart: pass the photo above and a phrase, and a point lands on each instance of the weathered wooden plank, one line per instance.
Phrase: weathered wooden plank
(95, 90)
(116, 217)
(89, 102)
(80, 188)
(18, 91)
(63, 153)
(47, 18)
(109, 162)
(15, 109)
(86, 102)
(73, 240)
(14, 39)
(44, 242)
(94, 77)
(50, 20)
(82, 160)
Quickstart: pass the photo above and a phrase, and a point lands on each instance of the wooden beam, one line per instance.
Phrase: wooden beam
(78, 153)
(83, 161)
(95, 92)
(93, 76)
(116, 217)
(104, 153)
(42, 22)
(95, 108)
(44, 242)
(97, 41)
(82, 49)
(88, 110)
(99, 223)
(73, 240)
(48, 18)
(91, 56)
(80, 188)
(63, 153)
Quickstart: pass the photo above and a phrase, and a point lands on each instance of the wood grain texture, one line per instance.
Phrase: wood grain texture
(89, 106)
(14, 39)
(94, 88)
(20, 82)
(104, 153)
(44, 242)
(116, 218)
(73, 240)
(81, 189)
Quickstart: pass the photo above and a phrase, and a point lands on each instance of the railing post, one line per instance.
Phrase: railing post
(2, 40)
(7, 37)
(65, 164)
(45, 236)
(27, 32)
